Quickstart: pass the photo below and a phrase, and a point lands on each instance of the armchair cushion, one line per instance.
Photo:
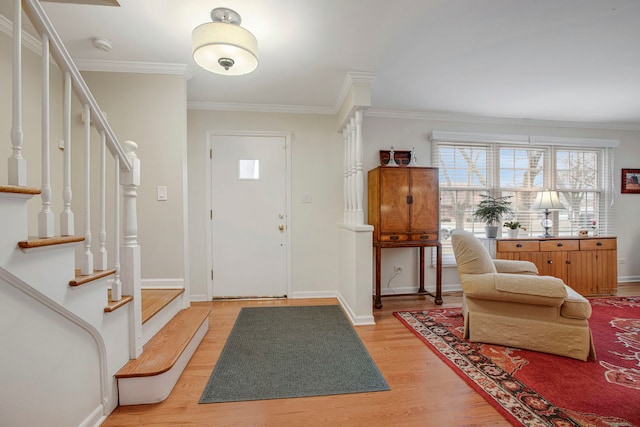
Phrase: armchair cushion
(544, 286)
(503, 287)
(516, 267)
(575, 306)
(471, 255)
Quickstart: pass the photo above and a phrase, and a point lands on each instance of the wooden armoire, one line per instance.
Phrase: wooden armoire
(404, 212)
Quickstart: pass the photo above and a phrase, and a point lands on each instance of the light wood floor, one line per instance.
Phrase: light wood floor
(424, 392)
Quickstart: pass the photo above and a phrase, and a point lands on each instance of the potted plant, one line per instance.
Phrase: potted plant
(512, 228)
(490, 210)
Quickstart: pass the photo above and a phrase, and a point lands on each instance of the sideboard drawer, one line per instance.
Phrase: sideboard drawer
(398, 237)
(560, 245)
(518, 246)
(425, 237)
(597, 244)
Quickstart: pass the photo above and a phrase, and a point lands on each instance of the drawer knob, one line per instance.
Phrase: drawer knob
(549, 261)
(394, 237)
(599, 244)
(519, 245)
(560, 245)
(423, 237)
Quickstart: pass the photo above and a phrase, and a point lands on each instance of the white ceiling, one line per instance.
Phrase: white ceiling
(569, 60)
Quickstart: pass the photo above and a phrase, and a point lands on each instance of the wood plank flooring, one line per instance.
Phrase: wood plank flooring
(424, 391)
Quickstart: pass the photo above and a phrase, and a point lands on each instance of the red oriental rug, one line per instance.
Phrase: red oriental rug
(538, 389)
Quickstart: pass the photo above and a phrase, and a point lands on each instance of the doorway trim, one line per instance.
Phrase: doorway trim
(209, 198)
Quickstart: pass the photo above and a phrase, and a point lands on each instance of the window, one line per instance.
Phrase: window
(471, 165)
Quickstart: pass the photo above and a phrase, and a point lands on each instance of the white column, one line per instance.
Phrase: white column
(87, 259)
(45, 216)
(101, 259)
(17, 165)
(66, 217)
(359, 174)
(131, 272)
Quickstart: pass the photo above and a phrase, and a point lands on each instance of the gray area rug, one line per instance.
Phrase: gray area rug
(282, 352)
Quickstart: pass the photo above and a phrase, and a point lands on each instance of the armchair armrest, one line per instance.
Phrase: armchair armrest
(515, 267)
(525, 289)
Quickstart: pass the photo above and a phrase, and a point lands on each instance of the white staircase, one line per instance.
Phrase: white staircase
(71, 320)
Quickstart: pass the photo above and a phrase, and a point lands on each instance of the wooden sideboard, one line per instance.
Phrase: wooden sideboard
(587, 264)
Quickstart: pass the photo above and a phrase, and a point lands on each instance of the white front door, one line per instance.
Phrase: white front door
(249, 215)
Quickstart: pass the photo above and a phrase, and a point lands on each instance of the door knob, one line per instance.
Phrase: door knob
(281, 227)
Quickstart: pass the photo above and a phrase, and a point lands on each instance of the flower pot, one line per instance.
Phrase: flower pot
(512, 233)
(491, 231)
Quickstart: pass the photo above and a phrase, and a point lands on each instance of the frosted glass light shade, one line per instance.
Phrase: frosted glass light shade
(214, 42)
(547, 200)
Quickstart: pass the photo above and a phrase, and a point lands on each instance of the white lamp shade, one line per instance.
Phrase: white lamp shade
(215, 40)
(547, 200)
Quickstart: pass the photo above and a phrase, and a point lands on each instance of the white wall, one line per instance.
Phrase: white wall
(151, 111)
(316, 169)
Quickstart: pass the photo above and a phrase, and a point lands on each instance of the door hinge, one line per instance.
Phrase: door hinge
(211, 214)
(211, 274)
(211, 153)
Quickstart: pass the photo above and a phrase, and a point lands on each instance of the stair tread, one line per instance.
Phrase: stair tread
(97, 274)
(114, 305)
(19, 190)
(163, 350)
(36, 242)
(154, 300)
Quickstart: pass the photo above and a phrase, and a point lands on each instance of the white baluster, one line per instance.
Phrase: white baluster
(359, 178)
(116, 286)
(345, 180)
(101, 259)
(130, 250)
(17, 165)
(353, 171)
(45, 216)
(87, 259)
(349, 176)
(66, 217)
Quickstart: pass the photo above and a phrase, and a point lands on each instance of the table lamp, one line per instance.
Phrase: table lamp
(549, 201)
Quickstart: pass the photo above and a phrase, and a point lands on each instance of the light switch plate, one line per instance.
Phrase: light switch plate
(162, 193)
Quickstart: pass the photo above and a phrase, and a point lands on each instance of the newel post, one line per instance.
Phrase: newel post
(131, 273)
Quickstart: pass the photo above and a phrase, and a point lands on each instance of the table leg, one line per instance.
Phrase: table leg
(421, 289)
(377, 296)
(439, 274)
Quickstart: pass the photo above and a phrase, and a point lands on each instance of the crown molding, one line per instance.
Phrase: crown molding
(29, 41)
(452, 117)
(259, 108)
(133, 67)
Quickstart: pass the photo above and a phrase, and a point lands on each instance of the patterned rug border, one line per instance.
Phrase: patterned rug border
(515, 401)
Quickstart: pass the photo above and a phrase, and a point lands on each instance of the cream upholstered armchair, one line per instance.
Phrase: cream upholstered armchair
(507, 303)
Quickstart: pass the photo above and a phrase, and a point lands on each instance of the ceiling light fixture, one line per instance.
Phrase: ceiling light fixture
(223, 46)
(102, 44)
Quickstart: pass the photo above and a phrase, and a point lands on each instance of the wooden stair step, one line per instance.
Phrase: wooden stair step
(162, 352)
(38, 242)
(154, 300)
(19, 190)
(114, 305)
(88, 278)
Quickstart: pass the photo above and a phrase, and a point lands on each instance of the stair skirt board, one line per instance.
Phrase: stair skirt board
(154, 389)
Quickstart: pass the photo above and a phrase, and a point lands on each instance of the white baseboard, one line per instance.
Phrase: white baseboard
(162, 283)
(627, 279)
(95, 418)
